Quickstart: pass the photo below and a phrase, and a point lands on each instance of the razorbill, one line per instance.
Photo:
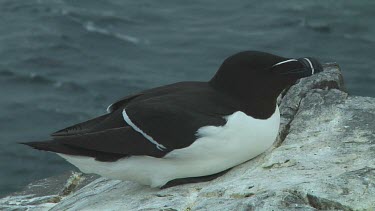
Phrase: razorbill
(187, 131)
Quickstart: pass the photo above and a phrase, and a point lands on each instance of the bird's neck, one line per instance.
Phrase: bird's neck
(258, 107)
(253, 99)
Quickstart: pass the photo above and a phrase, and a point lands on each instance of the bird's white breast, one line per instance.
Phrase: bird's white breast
(216, 149)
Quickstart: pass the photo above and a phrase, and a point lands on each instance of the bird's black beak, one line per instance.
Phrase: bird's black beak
(312, 65)
(298, 68)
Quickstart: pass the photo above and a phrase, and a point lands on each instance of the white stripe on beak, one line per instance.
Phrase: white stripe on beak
(312, 68)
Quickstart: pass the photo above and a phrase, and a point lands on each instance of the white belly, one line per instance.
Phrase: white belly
(216, 149)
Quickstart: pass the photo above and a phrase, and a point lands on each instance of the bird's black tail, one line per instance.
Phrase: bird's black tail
(51, 146)
(57, 147)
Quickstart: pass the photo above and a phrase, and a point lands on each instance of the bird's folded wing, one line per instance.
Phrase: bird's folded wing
(152, 124)
(107, 121)
(119, 103)
(106, 145)
(82, 127)
(172, 126)
(124, 141)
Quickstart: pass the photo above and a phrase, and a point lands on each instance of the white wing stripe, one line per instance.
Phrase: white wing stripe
(131, 124)
(289, 60)
(312, 68)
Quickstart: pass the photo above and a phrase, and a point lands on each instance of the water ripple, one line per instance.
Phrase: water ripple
(69, 86)
(91, 27)
(45, 61)
(38, 79)
(317, 26)
(101, 23)
(6, 73)
(83, 15)
(32, 78)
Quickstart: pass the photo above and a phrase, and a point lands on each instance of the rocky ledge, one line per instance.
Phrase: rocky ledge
(324, 158)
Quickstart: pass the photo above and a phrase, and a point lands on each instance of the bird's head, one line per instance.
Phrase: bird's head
(261, 75)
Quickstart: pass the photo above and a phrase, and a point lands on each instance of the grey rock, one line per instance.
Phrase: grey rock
(46, 193)
(323, 159)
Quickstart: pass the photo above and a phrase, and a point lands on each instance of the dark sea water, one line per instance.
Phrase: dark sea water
(64, 61)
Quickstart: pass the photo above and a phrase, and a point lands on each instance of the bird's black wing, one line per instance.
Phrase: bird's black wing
(107, 145)
(122, 102)
(168, 116)
(107, 121)
(114, 117)
(173, 120)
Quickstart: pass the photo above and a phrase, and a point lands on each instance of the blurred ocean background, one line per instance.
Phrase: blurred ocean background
(64, 61)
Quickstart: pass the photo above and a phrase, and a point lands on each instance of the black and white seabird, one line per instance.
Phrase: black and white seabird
(186, 131)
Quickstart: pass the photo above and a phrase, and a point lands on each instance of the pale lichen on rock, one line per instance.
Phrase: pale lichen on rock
(323, 160)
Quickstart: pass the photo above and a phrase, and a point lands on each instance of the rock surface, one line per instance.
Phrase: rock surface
(323, 159)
